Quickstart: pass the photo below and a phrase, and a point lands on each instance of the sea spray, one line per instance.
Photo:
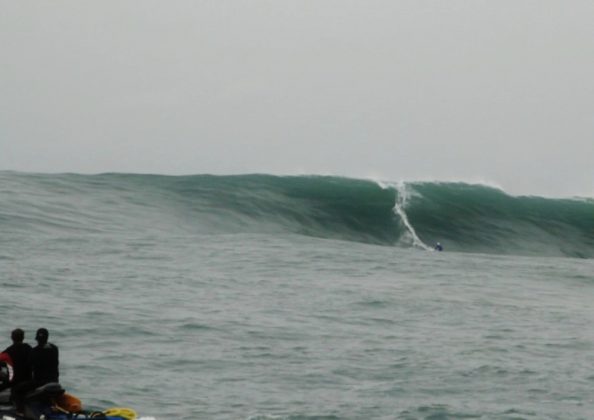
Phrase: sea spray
(410, 234)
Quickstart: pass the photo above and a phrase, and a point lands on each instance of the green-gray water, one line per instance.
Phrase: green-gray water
(263, 297)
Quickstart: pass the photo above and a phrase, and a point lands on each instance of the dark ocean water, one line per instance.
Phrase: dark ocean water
(262, 297)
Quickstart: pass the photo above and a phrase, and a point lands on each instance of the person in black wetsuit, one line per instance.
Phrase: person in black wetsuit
(44, 359)
(20, 354)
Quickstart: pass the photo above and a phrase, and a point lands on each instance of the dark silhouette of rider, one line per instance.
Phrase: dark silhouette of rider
(44, 359)
(19, 353)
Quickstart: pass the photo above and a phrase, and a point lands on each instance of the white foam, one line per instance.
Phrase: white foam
(399, 209)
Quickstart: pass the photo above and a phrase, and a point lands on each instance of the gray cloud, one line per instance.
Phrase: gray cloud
(465, 90)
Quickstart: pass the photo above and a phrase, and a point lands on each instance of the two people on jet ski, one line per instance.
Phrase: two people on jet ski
(32, 367)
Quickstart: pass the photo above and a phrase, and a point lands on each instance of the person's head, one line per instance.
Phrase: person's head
(42, 336)
(17, 335)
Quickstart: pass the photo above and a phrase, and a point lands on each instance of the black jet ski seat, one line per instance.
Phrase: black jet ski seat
(45, 393)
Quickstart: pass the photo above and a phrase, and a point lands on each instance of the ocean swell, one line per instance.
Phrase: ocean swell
(463, 217)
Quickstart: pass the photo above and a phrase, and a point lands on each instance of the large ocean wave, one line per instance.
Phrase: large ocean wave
(463, 217)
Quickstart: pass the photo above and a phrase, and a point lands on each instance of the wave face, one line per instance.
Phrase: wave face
(477, 218)
(463, 217)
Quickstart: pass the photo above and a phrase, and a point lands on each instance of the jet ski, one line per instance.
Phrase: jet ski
(51, 402)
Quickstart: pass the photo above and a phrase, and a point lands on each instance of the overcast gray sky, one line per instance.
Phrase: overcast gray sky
(495, 91)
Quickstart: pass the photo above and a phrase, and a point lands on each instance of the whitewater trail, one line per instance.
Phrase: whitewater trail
(399, 206)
